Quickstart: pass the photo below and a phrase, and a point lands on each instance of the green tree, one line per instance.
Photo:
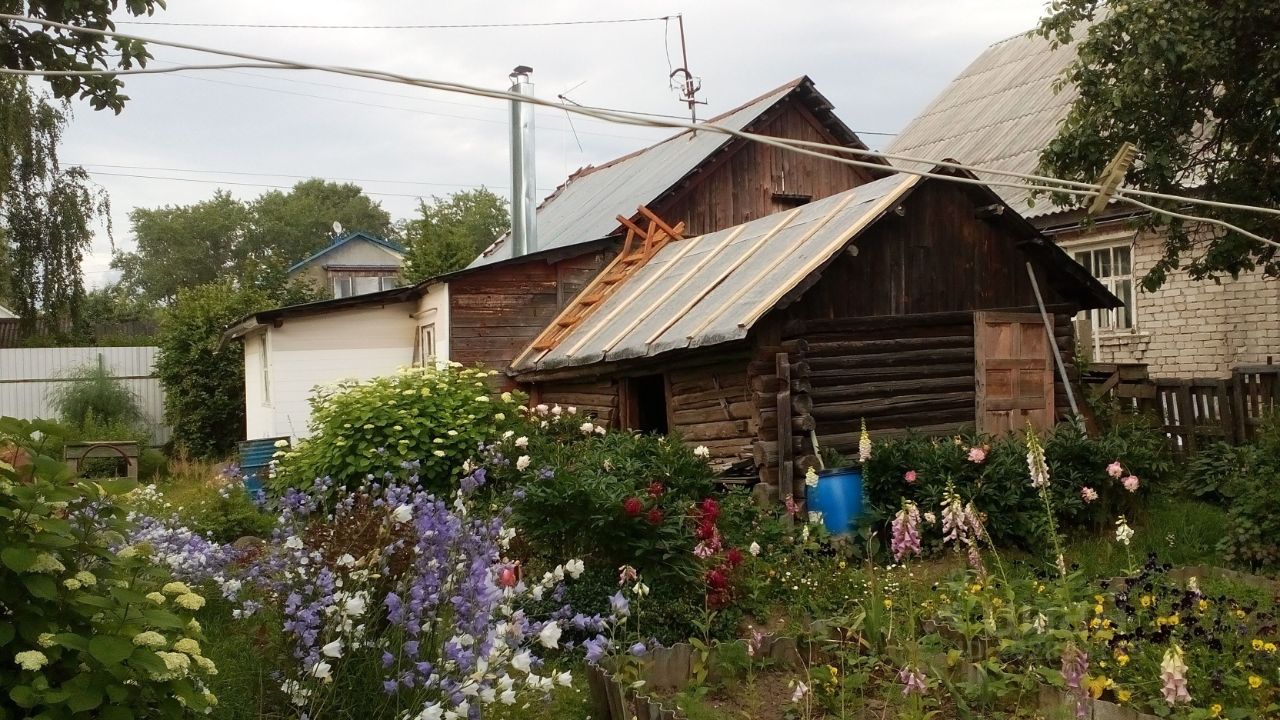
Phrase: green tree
(286, 227)
(452, 231)
(182, 246)
(203, 377)
(1194, 85)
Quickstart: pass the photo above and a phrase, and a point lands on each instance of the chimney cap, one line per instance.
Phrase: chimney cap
(521, 70)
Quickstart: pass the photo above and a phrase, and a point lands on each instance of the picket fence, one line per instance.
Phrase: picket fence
(29, 377)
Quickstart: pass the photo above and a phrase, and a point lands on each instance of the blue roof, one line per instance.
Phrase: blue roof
(347, 237)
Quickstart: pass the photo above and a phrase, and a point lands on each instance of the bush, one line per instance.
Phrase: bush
(92, 395)
(436, 417)
(217, 509)
(203, 377)
(92, 630)
(999, 485)
(1252, 533)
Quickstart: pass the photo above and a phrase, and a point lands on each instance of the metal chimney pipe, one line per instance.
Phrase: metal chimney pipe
(524, 200)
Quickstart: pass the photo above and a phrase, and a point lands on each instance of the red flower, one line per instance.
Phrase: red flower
(507, 577)
(706, 530)
(632, 506)
(718, 599)
(656, 489)
(654, 516)
(733, 558)
(710, 509)
(717, 580)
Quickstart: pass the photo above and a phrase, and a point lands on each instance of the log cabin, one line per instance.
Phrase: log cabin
(909, 302)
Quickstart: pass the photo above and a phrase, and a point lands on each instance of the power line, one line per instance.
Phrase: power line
(283, 175)
(457, 26)
(233, 182)
(1056, 185)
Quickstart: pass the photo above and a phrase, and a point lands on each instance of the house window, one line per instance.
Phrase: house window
(647, 404)
(424, 349)
(265, 355)
(1113, 267)
(348, 285)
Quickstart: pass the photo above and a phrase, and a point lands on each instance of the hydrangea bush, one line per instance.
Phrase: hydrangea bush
(436, 416)
(90, 626)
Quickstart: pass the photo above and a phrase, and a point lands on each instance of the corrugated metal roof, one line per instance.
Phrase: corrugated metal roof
(712, 288)
(1000, 113)
(585, 208)
(341, 240)
(7, 314)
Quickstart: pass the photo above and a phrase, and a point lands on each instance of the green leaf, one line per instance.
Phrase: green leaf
(110, 649)
(6, 633)
(116, 712)
(84, 699)
(23, 696)
(163, 618)
(18, 559)
(71, 640)
(149, 661)
(42, 586)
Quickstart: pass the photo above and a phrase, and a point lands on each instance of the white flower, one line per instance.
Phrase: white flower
(488, 695)
(815, 517)
(355, 606)
(811, 477)
(754, 549)
(1040, 623)
(702, 451)
(536, 592)
(801, 691)
(1124, 533)
(522, 462)
(508, 697)
(282, 443)
(333, 649)
(322, 670)
(587, 428)
(293, 543)
(431, 712)
(541, 408)
(507, 435)
(402, 514)
(506, 397)
(505, 682)
(640, 589)
(571, 410)
(575, 568)
(556, 410)
(600, 430)
(345, 560)
(550, 635)
(521, 661)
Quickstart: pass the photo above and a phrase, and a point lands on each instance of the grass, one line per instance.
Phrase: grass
(1176, 530)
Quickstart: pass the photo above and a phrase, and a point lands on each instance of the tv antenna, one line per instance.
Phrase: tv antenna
(337, 228)
(683, 80)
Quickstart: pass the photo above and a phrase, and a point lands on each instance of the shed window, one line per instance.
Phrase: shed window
(265, 363)
(348, 285)
(647, 404)
(424, 349)
(1112, 265)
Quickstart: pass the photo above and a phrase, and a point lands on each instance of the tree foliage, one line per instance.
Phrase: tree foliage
(1194, 85)
(253, 242)
(452, 231)
(48, 211)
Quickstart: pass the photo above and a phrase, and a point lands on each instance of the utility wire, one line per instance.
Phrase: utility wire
(280, 175)
(458, 26)
(799, 147)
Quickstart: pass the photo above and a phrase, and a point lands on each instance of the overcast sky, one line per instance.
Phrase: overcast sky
(879, 62)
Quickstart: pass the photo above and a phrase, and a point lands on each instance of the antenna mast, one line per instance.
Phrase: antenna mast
(691, 85)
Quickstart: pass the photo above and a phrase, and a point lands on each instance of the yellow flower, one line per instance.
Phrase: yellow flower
(888, 603)
(997, 602)
(1204, 605)
(1146, 601)
(1040, 588)
(1269, 647)
(1099, 599)
(1097, 684)
(1215, 710)
(1095, 623)
(975, 588)
(1239, 614)
(1255, 682)
(1097, 609)
(1123, 695)
(1121, 658)
(1257, 644)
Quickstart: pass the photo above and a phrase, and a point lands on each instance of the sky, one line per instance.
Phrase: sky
(878, 61)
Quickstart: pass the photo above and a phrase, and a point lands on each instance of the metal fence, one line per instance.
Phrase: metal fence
(29, 376)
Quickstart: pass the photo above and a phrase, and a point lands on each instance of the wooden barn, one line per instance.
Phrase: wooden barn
(707, 180)
(905, 301)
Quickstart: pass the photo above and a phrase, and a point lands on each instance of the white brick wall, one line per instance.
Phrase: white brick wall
(1191, 327)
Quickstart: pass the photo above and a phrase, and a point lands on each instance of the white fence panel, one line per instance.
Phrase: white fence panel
(28, 377)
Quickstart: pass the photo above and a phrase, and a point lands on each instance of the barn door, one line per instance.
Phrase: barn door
(1014, 372)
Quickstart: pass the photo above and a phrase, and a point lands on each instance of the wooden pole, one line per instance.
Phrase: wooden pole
(783, 410)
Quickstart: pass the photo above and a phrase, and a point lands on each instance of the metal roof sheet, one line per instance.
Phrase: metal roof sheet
(712, 288)
(345, 238)
(999, 113)
(585, 207)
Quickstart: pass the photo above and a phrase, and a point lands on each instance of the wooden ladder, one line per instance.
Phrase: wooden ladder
(641, 243)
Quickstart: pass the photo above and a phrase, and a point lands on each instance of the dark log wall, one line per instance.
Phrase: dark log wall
(899, 373)
(740, 184)
(596, 398)
(494, 313)
(711, 406)
(936, 257)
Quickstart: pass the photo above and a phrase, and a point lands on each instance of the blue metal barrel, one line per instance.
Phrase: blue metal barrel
(838, 497)
(255, 456)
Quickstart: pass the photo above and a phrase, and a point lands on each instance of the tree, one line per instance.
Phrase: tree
(48, 211)
(203, 378)
(287, 227)
(182, 246)
(452, 231)
(1194, 86)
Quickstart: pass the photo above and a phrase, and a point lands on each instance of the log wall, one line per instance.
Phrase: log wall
(712, 406)
(596, 398)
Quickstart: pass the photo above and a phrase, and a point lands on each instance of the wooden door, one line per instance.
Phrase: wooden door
(1014, 371)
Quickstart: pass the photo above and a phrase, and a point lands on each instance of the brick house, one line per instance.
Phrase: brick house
(1000, 113)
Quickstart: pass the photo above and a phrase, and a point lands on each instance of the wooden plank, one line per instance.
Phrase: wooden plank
(782, 408)
(867, 347)
(895, 405)
(843, 376)
(864, 390)
(898, 359)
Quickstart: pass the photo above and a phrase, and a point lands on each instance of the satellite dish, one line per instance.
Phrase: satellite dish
(337, 228)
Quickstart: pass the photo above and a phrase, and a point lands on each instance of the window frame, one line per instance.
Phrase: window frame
(1128, 242)
(265, 367)
(425, 331)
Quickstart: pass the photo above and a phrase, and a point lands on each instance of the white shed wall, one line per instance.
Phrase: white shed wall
(433, 309)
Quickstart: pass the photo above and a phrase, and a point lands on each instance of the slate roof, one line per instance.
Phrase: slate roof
(347, 237)
(999, 113)
(585, 207)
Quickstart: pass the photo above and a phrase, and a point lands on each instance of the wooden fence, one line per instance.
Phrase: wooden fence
(1197, 411)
